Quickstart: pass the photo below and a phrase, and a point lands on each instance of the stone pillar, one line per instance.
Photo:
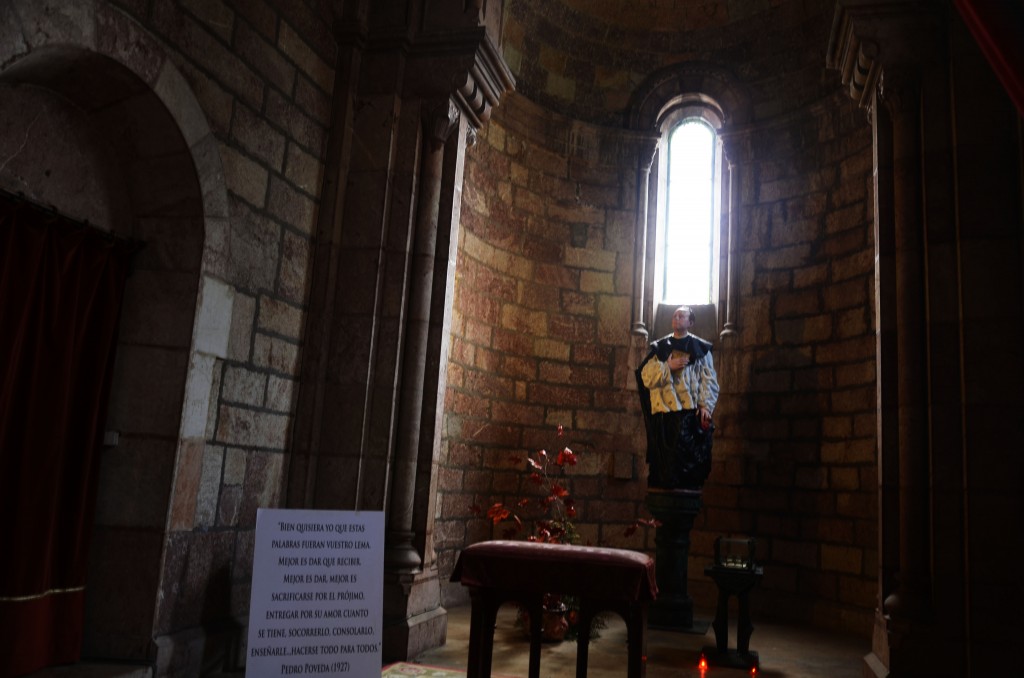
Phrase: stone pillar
(642, 233)
(902, 98)
(729, 326)
(414, 619)
(886, 373)
(885, 51)
(676, 511)
(400, 555)
(736, 153)
(367, 433)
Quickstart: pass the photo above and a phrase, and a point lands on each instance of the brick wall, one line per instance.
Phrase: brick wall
(541, 327)
(795, 453)
(262, 73)
(542, 317)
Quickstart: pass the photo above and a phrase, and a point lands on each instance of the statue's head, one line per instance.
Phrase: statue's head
(682, 320)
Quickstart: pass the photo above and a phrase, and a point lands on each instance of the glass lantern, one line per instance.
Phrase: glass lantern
(734, 554)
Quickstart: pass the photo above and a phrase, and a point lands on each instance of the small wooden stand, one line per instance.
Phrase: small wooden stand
(733, 576)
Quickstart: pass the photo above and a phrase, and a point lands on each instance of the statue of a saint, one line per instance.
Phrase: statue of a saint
(678, 391)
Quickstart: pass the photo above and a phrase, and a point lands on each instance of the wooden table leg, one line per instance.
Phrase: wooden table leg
(584, 622)
(721, 623)
(744, 627)
(536, 610)
(477, 629)
(636, 633)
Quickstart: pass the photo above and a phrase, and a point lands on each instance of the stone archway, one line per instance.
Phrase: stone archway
(97, 123)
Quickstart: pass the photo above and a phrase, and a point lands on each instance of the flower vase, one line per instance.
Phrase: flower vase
(553, 625)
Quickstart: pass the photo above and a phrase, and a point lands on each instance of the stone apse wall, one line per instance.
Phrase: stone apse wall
(222, 115)
(213, 118)
(544, 295)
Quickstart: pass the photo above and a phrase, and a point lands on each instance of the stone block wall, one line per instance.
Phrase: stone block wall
(541, 329)
(209, 122)
(795, 451)
(541, 338)
(262, 74)
(795, 457)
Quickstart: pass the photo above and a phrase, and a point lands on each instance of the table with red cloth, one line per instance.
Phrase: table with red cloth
(601, 579)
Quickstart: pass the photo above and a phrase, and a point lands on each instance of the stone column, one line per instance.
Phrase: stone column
(729, 327)
(735, 156)
(414, 618)
(884, 51)
(400, 555)
(367, 427)
(886, 373)
(642, 233)
(902, 96)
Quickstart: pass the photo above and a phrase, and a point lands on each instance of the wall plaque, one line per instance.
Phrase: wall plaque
(316, 607)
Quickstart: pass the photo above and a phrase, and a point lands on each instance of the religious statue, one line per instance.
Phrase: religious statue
(678, 391)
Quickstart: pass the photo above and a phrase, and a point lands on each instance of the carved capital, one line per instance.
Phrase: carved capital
(854, 58)
(737, 146)
(869, 36)
(899, 90)
(440, 121)
(487, 80)
(646, 148)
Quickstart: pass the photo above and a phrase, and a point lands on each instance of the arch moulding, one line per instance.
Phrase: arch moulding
(96, 57)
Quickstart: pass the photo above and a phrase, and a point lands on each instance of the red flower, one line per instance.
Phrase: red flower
(555, 505)
(498, 513)
(647, 522)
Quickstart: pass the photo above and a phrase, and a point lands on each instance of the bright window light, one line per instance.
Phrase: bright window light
(688, 243)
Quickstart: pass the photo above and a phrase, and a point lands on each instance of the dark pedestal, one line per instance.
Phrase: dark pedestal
(738, 582)
(675, 510)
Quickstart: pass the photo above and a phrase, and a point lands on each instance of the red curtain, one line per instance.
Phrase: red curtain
(61, 286)
(998, 26)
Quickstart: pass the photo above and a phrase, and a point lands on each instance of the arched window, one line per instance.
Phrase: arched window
(689, 215)
(687, 246)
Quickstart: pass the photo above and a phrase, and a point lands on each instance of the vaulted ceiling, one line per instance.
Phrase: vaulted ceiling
(585, 58)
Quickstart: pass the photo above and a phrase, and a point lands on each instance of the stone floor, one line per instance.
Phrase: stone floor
(785, 651)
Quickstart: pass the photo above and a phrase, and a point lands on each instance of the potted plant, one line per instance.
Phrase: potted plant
(554, 510)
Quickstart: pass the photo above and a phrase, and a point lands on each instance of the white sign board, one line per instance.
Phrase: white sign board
(317, 594)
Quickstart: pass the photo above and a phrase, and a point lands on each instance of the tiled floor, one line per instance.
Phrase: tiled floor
(784, 651)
